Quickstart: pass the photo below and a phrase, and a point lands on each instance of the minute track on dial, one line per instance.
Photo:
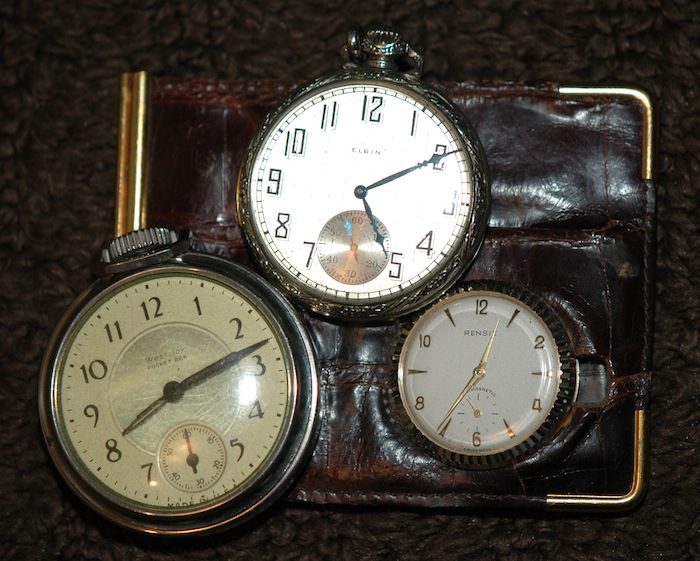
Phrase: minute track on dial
(355, 132)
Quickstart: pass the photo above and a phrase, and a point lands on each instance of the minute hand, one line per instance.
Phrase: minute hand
(173, 391)
(434, 159)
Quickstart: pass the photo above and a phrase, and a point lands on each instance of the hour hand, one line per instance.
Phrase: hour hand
(378, 237)
(173, 390)
(477, 374)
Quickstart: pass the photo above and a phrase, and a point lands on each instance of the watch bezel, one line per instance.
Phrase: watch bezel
(545, 432)
(278, 472)
(392, 305)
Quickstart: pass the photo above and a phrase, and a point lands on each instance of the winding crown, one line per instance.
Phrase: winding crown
(138, 242)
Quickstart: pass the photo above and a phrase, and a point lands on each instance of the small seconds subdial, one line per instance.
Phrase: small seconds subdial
(352, 248)
(479, 408)
(192, 457)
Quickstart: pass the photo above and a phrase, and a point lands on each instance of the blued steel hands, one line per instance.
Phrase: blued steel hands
(362, 190)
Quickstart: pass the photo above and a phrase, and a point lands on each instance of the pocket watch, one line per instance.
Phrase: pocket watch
(365, 193)
(485, 375)
(179, 392)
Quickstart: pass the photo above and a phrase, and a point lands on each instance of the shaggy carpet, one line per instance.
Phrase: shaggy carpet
(60, 64)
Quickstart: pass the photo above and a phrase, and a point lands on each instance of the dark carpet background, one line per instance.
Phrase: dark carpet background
(59, 72)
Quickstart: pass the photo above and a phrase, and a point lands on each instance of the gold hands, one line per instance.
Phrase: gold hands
(477, 375)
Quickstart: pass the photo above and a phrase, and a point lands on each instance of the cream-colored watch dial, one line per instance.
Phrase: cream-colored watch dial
(172, 392)
(483, 375)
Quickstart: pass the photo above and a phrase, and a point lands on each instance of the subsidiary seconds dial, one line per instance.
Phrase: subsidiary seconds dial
(397, 159)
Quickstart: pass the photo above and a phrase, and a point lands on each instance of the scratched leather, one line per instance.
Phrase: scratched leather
(570, 219)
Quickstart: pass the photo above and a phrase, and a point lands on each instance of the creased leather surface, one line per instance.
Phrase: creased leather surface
(59, 85)
(571, 219)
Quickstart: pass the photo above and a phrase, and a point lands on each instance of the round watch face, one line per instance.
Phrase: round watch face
(173, 396)
(485, 374)
(364, 197)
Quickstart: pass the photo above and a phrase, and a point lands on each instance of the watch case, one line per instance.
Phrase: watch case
(572, 219)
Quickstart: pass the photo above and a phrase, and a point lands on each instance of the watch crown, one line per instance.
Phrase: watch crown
(381, 47)
(138, 243)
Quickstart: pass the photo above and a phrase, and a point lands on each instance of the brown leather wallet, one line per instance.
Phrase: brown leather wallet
(572, 219)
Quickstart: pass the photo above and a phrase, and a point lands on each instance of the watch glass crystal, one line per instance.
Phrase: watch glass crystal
(484, 375)
(173, 391)
(358, 192)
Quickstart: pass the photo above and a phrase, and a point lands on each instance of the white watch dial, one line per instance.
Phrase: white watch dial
(481, 372)
(359, 192)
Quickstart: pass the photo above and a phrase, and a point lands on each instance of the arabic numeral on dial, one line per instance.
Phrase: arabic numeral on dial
(275, 181)
(114, 454)
(234, 443)
(239, 327)
(282, 230)
(396, 271)
(312, 246)
(97, 370)
(256, 411)
(149, 468)
(537, 404)
(151, 308)
(426, 243)
(329, 115)
(481, 306)
(539, 342)
(453, 206)
(372, 109)
(413, 123)
(197, 305)
(424, 341)
(113, 330)
(440, 149)
(420, 402)
(295, 143)
(260, 364)
(91, 412)
(476, 439)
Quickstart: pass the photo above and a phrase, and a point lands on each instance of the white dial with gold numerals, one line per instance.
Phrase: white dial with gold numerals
(485, 375)
(171, 395)
(371, 150)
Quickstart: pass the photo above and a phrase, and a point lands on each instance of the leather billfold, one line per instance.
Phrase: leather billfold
(572, 219)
